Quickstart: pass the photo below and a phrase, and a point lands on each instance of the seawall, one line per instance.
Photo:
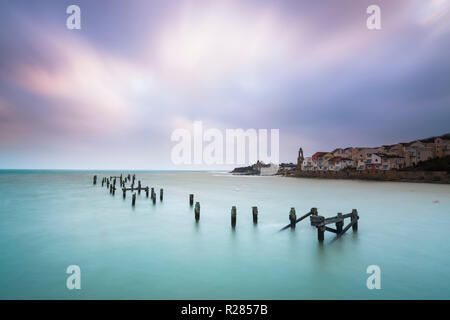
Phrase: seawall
(379, 175)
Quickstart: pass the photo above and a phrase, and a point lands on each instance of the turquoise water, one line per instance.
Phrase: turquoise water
(50, 220)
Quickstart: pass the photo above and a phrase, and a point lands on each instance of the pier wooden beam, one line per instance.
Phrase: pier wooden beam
(233, 216)
(197, 211)
(331, 230)
(339, 224)
(153, 195)
(301, 218)
(321, 233)
(292, 218)
(354, 219)
(255, 215)
(133, 200)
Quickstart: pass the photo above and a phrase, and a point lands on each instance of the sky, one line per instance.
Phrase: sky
(109, 96)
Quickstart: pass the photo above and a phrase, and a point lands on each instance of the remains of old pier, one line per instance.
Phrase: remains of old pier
(320, 222)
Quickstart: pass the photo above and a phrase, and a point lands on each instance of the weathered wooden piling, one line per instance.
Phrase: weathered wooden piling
(339, 224)
(321, 233)
(103, 182)
(133, 200)
(255, 214)
(292, 218)
(107, 183)
(139, 187)
(124, 190)
(154, 197)
(110, 188)
(95, 180)
(354, 220)
(113, 191)
(191, 199)
(161, 194)
(233, 216)
(114, 182)
(147, 191)
(197, 211)
(129, 177)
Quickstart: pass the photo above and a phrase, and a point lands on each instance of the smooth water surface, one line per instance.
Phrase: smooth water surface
(52, 219)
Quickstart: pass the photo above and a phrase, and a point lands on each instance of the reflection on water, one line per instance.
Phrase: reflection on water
(50, 220)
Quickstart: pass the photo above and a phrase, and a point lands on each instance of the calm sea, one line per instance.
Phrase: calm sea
(52, 219)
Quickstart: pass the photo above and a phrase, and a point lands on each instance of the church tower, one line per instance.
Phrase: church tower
(300, 159)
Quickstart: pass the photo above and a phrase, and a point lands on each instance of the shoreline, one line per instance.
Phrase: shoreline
(437, 177)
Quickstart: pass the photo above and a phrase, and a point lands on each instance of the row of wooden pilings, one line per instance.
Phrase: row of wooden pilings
(316, 220)
(112, 181)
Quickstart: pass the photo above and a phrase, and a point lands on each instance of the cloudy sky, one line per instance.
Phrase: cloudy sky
(110, 95)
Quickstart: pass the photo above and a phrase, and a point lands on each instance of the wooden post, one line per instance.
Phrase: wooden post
(103, 182)
(133, 200)
(292, 217)
(134, 178)
(355, 219)
(110, 188)
(129, 177)
(197, 211)
(146, 191)
(339, 224)
(95, 180)
(161, 194)
(154, 197)
(255, 215)
(139, 187)
(152, 194)
(124, 192)
(321, 233)
(113, 191)
(233, 216)
(114, 182)
(107, 183)
(314, 211)
(191, 199)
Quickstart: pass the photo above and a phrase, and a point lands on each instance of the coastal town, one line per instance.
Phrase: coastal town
(386, 157)
(424, 160)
